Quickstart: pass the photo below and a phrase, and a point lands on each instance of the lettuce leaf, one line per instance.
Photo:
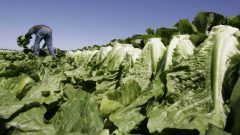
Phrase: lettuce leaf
(148, 64)
(130, 117)
(235, 111)
(79, 115)
(204, 21)
(31, 122)
(181, 45)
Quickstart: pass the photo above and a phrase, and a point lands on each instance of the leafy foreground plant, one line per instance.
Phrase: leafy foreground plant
(122, 90)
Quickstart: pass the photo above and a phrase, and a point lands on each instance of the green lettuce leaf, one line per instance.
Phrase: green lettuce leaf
(233, 21)
(185, 27)
(79, 115)
(166, 34)
(204, 21)
(181, 45)
(31, 122)
(130, 117)
(102, 54)
(235, 111)
(81, 57)
(225, 47)
(18, 86)
(47, 92)
(213, 130)
(121, 97)
(149, 62)
(116, 56)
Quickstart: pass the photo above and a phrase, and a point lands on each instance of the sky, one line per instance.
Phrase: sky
(79, 23)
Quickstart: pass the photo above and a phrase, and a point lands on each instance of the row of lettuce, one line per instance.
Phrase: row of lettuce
(121, 89)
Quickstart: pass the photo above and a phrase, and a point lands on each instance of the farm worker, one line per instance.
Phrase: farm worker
(41, 32)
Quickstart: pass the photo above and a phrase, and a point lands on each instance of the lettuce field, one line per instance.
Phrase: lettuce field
(171, 81)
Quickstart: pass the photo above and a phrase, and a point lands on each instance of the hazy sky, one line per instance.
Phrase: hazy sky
(78, 23)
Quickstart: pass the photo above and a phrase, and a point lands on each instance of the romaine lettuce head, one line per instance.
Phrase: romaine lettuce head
(194, 87)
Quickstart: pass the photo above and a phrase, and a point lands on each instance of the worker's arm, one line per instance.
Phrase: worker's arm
(29, 33)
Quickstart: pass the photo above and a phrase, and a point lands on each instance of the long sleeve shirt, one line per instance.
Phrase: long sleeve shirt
(34, 30)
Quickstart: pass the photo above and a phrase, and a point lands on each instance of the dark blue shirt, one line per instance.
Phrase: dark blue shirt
(35, 29)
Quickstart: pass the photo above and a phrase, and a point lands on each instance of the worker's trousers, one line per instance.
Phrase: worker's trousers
(46, 34)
